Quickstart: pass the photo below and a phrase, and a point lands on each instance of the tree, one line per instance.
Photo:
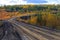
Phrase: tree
(39, 18)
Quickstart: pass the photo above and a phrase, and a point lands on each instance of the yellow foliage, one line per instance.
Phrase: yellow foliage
(51, 20)
(25, 6)
(33, 20)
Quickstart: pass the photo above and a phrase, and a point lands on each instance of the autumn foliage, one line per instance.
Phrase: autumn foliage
(46, 15)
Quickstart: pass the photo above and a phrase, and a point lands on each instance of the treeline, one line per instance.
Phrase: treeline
(31, 8)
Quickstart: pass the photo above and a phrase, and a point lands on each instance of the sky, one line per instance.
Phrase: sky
(19, 2)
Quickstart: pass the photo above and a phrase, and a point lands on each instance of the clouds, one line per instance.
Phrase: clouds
(18, 2)
(12, 2)
(53, 1)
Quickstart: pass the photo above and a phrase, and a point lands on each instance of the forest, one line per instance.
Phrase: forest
(46, 15)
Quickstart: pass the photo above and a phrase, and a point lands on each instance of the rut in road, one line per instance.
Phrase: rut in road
(46, 34)
(7, 32)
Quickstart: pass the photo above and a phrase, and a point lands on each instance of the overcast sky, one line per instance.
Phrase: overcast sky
(18, 2)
